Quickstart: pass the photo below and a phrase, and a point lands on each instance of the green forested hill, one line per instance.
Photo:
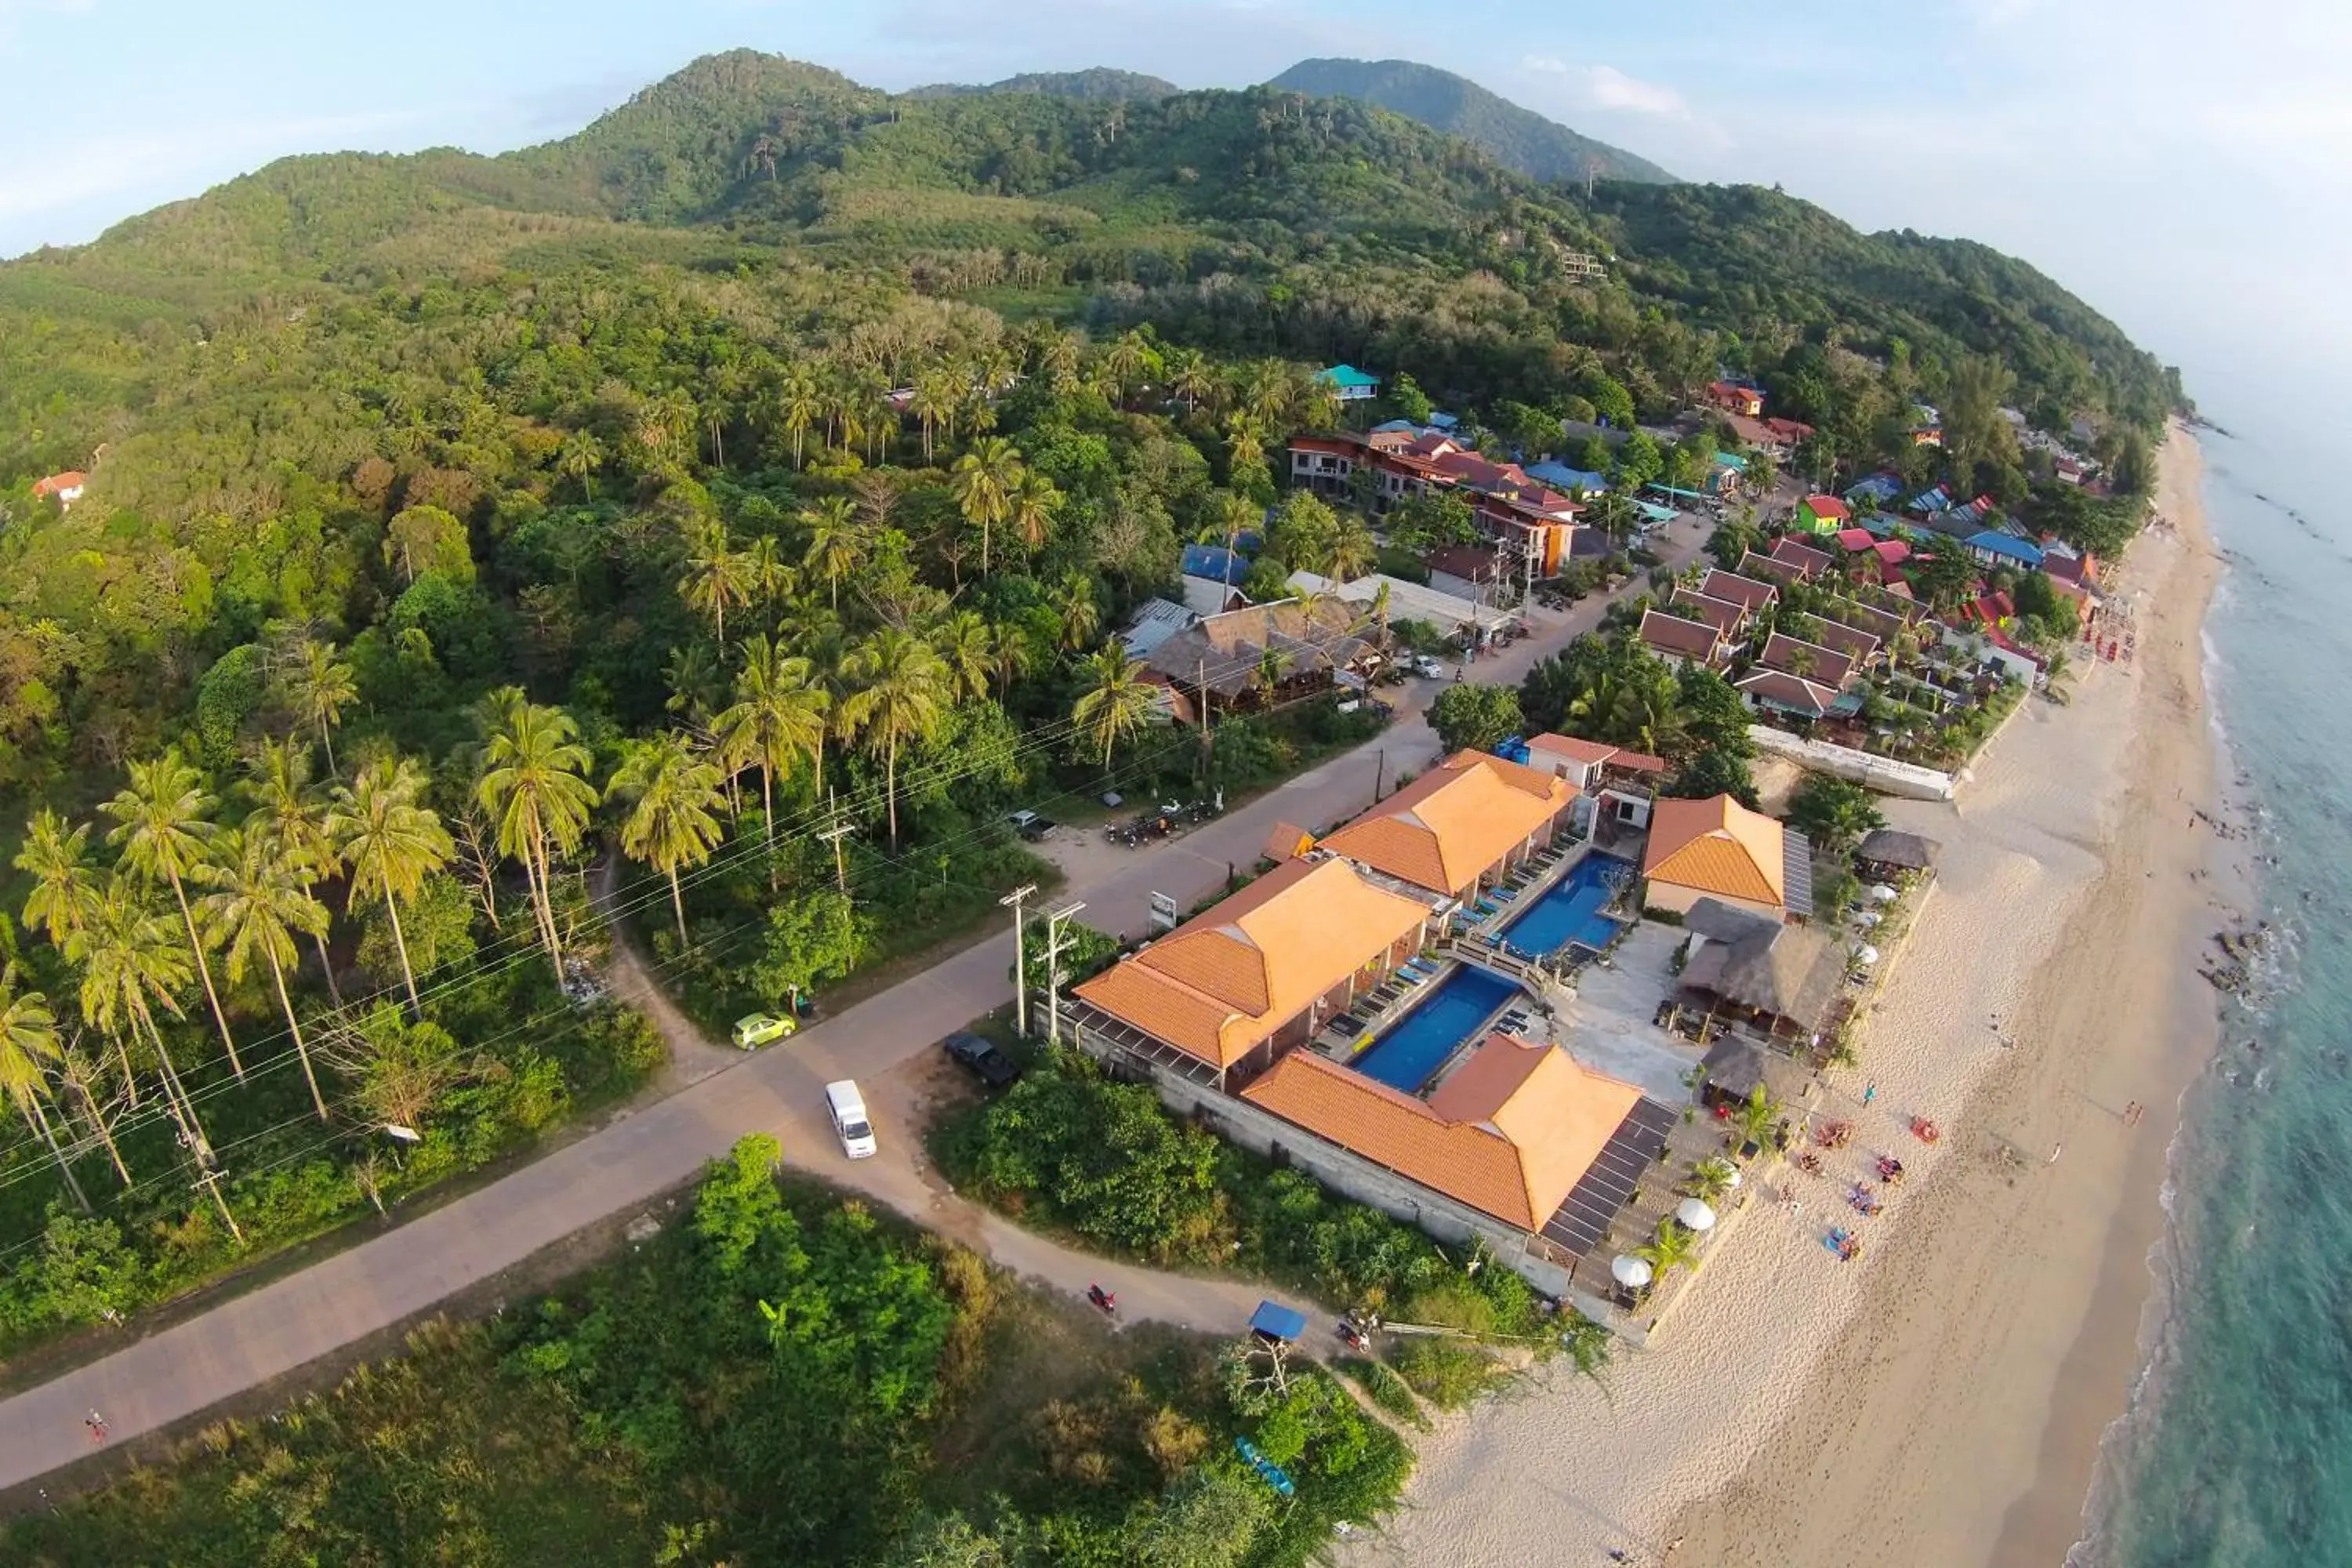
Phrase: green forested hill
(1516, 138)
(1097, 82)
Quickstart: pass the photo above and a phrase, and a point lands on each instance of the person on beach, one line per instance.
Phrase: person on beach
(1869, 1093)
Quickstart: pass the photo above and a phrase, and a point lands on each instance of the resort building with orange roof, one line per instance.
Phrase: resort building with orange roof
(1717, 849)
(1246, 979)
(1509, 1133)
(1459, 825)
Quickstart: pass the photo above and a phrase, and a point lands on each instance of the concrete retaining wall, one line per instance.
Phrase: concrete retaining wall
(1884, 775)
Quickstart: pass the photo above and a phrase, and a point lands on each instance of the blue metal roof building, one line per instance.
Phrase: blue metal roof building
(1562, 477)
(2005, 547)
(1215, 562)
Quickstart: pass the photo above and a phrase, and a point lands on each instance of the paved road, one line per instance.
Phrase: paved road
(249, 1340)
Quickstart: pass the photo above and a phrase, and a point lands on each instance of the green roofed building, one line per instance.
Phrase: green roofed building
(1352, 384)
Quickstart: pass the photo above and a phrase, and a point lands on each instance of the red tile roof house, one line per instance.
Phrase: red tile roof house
(1681, 641)
(1724, 616)
(1809, 561)
(1785, 693)
(1793, 655)
(1622, 783)
(1734, 398)
(65, 486)
(1860, 647)
(1748, 593)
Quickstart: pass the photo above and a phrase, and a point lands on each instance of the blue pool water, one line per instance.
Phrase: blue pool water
(1570, 910)
(1419, 1043)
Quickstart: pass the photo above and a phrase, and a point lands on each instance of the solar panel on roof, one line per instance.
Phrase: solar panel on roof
(1608, 1184)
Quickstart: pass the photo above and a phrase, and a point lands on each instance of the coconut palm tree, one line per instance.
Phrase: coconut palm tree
(1010, 655)
(163, 821)
(1648, 714)
(1674, 1246)
(63, 893)
(578, 459)
(129, 961)
(390, 842)
(534, 784)
(799, 405)
(673, 792)
(1075, 606)
(1757, 1115)
(277, 786)
(897, 683)
(716, 576)
(779, 712)
(318, 688)
(837, 544)
(1710, 1178)
(256, 906)
(1189, 375)
(1353, 550)
(1116, 699)
(768, 578)
(933, 405)
(984, 480)
(1030, 506)
(29, 1048)
(967, 647)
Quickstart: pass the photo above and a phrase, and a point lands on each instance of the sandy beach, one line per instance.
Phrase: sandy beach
(1940, 1401)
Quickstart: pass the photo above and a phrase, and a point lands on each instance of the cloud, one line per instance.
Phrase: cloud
(1606, 87)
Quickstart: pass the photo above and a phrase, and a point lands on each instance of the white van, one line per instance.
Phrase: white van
(849, 1124)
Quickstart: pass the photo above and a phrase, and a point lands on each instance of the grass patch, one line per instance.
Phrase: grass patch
(1387, 1391)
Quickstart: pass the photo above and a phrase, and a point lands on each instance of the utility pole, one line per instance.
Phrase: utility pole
(833, 835)
(1019, 958)
(1379, 773)
(1056, 944)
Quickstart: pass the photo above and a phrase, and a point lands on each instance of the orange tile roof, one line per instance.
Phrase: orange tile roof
(1509, 1133)
(1716, 846)
(1454, 823)
(1223, 982)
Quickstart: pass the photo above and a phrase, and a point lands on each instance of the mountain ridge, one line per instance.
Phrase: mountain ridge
(1515, 136)
(1095, 84)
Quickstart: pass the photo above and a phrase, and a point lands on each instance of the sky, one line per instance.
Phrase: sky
(2185, 167)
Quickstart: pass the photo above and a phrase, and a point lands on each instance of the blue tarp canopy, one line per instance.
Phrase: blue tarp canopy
(1656, 512)
(1276, 1321)
(1215, 562)
(1670, 491)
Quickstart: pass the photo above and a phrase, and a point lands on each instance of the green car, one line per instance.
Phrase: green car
(757, 1030)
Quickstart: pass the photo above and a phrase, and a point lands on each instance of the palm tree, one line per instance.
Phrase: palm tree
(1010, 655)
(256, 906)
(1675, 1245)
(1189, 375)
(163, 822)
(29, 1047)
(780, 713)
(1059, 359)
(1648, 714)
(768, 578)
(534, 785)
(320, 688)
(390, 842)
(984, 479)
(278, 786)
(798, 406)
(62, 895)
(897, 684)
(127, 961)
(837, 545)
(1757, 1117)
(1030, 506)
(1073, 604)
(673, 791)
(1710, 1178)
(1351, 551)
(578, 459)
(1116, 699)
(933, 405)
(968, 649)
(716, 577)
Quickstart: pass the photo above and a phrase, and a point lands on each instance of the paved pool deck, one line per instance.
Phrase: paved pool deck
(1608, 1028)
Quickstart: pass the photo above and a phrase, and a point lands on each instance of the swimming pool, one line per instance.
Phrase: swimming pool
(1417, 1044)
(1570, 910)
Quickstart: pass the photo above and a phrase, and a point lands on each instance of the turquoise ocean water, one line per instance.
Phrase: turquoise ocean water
(2239, 1449)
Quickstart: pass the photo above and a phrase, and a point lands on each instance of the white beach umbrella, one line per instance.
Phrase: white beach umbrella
(1695, 1215)
(1882, 894)
(1865, 955)
(1629, 1271)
